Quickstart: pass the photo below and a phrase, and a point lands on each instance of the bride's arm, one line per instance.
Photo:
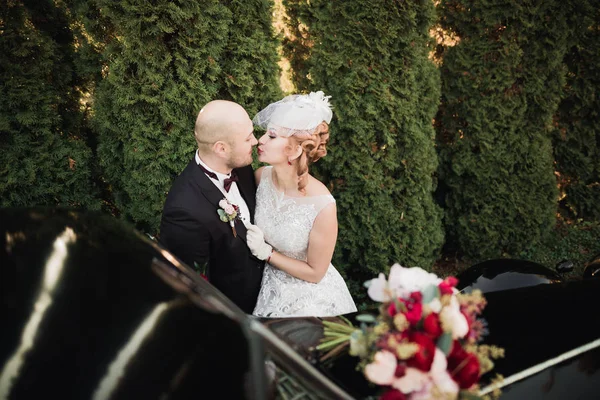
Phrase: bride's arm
(321, 245)
(257, 175)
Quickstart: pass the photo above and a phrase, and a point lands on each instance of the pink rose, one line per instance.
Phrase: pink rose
(413, 380)
(383, 368)
(227, 207)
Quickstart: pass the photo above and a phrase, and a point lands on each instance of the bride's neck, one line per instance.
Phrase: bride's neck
(286, 178)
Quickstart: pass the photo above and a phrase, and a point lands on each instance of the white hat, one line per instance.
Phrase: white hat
(297, 114)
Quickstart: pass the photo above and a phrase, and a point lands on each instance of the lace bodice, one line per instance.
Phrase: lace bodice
(286, 223)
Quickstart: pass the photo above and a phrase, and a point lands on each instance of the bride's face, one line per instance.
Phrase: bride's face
(272, 148)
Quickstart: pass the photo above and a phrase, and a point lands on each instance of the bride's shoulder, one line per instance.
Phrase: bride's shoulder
(259, 173)
(316, 187)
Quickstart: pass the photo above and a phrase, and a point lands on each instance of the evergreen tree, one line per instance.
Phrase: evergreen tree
(501, 84)
(373, 61)
(577, 135)
(165, 60)
(44, 157)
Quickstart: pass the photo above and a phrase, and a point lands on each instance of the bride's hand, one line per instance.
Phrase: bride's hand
(256, 243)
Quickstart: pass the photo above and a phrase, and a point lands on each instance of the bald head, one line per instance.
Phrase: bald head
(219, 120)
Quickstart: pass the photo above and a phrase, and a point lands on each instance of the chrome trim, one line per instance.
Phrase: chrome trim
(540, 367)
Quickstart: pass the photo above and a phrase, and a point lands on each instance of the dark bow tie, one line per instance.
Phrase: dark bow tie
(226, 183)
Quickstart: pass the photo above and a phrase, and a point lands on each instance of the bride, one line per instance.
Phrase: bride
(296, 223)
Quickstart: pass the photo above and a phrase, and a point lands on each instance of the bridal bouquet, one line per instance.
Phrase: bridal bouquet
(424, 342)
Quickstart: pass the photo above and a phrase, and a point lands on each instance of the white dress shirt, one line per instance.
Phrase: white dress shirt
(233, 196)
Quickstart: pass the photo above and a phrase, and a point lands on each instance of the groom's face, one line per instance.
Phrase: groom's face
(242, 140)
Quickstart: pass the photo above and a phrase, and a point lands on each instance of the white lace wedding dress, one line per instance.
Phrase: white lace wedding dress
(286, 223)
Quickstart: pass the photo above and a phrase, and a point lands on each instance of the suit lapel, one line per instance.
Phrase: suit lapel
(214, 196)
(209, 190)
(246, 187)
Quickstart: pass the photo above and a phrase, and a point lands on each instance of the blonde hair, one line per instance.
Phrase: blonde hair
(313, 148)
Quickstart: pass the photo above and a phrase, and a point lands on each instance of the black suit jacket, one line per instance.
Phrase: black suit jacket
(191, 229)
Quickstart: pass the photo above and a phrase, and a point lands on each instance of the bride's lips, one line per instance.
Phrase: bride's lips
(259, 151)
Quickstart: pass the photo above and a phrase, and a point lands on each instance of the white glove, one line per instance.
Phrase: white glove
(256, 243)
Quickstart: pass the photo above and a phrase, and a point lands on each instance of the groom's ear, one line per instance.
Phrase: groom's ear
(220, 148)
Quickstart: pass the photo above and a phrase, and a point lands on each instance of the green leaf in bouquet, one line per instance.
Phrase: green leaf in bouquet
(444, 343)
(365, 318)
(224, 219)
(429, 293)
(221, 213)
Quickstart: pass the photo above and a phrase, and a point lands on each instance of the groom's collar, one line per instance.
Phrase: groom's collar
(221, 176)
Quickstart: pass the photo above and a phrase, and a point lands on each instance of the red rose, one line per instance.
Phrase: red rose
(431, 325)
(392, 308)
(414, 312)
(414, 308)
(412, 305)
(400, 371)
(447, 284)
(424, 356)
(204, 277)
(416, 297)
(392, 394)
(463, 366)
(456, 352)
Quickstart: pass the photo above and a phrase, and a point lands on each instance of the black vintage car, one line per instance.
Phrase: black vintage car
(93, 309)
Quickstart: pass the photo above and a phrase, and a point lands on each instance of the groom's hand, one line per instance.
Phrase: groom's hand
(256, 243)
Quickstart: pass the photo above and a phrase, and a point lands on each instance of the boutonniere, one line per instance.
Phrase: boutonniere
(229, 213)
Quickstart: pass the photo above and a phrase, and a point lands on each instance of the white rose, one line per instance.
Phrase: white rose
(452, 319)
(378, 289)
(229, 209)
(403, 281)
(413, 380)
(440, 376)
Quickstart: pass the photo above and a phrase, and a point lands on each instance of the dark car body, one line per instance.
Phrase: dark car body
(93, 309)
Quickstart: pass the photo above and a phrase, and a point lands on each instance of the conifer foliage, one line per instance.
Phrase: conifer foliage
(163, 63)
(373, 60)
(577, 134)
(501, 84)
(44, 157)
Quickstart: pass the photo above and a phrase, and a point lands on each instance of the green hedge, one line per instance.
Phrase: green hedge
(86, 84)
(373, 61)
(577, 135)
(162, 64)
(44, 156)
(501, 85)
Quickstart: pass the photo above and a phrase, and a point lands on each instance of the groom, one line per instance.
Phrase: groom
(191, 227)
